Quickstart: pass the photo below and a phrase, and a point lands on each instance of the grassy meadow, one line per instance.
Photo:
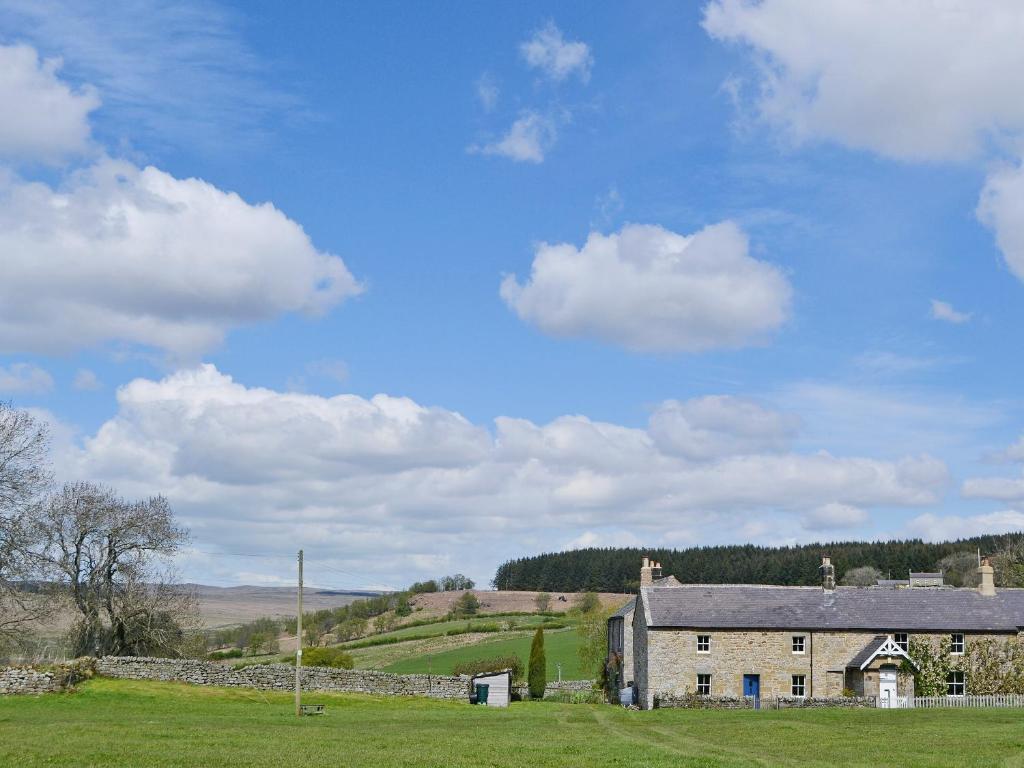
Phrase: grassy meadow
(560, 646)
(133, 723)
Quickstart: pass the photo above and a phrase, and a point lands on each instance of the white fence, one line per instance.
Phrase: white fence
(944, 702)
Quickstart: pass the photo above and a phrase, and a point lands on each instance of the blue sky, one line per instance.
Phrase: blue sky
(322, 275)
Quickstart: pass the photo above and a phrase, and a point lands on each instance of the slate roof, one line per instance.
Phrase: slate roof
(740, 606)
(625, 610)
(869, 650)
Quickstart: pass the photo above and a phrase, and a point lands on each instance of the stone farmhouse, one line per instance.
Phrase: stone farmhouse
(733, 640)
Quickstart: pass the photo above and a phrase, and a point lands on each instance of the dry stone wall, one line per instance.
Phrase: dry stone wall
(23, 680)
(281, 677)
(741, 702)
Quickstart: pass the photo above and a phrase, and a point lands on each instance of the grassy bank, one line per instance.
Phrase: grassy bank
(130, 723)
(559, 646)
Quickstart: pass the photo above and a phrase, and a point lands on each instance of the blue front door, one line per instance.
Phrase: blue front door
(752, 686)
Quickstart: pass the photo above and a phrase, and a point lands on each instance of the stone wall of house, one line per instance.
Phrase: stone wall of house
(24, 680)
(281, 677)
(627, 648)
(641, 654)
(673, 662)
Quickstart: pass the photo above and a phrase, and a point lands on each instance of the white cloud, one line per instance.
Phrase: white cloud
(487, 91)
(1001, 209)
(24, 378)
(833, 516)
(717, 425)
(942, 310)
(44, 119)
(527, 141)
(174, 72)
(548, 51)
(120, 253)
(650, 289)
(931, 527)
(86, 380)
(998, 488)
(915, 80)
(379, 481)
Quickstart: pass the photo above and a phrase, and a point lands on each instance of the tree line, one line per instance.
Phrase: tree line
(81, 546)
(617, 569)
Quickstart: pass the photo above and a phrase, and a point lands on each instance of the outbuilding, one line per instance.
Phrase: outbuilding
(499, 686)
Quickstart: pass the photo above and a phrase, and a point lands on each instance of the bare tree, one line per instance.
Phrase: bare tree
(112, 558)
(23, 476)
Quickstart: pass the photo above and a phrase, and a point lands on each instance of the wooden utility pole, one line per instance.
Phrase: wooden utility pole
(298, 647)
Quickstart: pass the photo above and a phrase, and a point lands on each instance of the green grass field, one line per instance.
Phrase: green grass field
(131, 723)
(439, 628)
(559, 646)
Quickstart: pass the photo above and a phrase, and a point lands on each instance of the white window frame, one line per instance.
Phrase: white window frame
(802, 642)
(799, 686)
(955, 643)
(904, 644)
(703, 684)
(956, 679)
(706, 643)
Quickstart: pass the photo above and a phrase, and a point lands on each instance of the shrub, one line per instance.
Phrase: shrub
(542, 601)
(327, 657)
(494, 664)
(537, 676)
(230, 653)
(587, 602)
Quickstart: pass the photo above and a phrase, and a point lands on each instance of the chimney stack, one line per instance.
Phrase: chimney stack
(649, 571)
(986, 584)
(828, 574)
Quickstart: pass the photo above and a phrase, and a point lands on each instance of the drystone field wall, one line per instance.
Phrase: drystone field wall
(22, 680)
(553, 686)
(281, 677)
(782, 702)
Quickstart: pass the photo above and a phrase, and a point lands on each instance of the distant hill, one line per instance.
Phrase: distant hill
(618, 569)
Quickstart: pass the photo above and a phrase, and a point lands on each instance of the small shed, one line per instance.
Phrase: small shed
(499, 686)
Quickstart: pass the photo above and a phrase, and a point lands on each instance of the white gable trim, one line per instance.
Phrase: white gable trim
(888, 648)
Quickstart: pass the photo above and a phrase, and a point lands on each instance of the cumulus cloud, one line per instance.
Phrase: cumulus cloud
(549, 51)
(128, 254)
(832, 516)
(718, 425)
(942, 310)
(353, 477)
(24, 378)
(527, 140)
(932, 527)
(1005, 489)
(914, 80)
(44, 118)
(650, 289)
(1001, 209)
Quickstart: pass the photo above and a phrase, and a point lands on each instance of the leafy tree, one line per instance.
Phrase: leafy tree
(587, 602)
(537, 679)
(385, 622)
(863, 576)
(421, 587)
(466, 605)
(593, 647)
(455, 583)
(1008, 564)
(542, 601)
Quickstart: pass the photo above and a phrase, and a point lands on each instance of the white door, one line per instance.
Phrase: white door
(887, 688)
